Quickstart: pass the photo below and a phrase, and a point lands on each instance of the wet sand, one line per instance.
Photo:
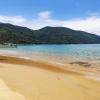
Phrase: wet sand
(22, 79)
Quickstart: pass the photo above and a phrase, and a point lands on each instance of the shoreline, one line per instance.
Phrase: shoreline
(51, 65)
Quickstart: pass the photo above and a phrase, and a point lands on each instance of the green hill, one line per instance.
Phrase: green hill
(47, 35)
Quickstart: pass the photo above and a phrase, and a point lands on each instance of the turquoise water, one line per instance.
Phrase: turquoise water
(60, 52)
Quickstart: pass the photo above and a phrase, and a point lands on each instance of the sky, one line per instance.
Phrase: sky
(76, 14)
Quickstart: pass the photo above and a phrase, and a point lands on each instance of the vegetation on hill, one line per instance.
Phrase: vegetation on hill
(47, 35)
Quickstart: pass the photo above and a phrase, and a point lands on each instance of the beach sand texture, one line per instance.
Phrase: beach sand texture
(35, 80)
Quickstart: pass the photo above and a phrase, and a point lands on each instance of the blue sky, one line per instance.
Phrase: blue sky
(39, 13)
(61, 9)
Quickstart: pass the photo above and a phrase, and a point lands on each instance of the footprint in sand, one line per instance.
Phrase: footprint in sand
(7, 94)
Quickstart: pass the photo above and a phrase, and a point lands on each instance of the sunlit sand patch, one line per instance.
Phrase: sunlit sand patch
(7, 94)
(92, 76)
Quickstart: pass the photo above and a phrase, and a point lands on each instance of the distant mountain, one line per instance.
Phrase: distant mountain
(47, 35)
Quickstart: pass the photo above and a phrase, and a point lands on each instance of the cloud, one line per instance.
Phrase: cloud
(45, 14)
(89, 24)
(93, 13)
(12, 19)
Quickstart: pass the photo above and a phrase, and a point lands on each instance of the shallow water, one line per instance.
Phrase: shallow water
(62, 53)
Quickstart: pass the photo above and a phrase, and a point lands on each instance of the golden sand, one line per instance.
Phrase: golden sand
(7, 94)
(36, 80)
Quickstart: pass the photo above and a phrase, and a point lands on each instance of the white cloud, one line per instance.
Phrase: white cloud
(12, 19)
(89, 24)
(45, 14)
(93, 13)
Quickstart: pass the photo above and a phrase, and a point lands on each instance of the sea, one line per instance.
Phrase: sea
(61, 53)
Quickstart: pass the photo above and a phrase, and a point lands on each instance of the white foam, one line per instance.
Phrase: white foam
(8, 52)
(57, 63)
(23, 57)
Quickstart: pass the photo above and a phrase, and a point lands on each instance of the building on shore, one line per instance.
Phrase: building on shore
(8, 45)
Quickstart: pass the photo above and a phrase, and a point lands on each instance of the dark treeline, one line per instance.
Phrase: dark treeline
(47, 35)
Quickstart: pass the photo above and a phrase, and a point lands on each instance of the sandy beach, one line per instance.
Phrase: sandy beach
(22, 79)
